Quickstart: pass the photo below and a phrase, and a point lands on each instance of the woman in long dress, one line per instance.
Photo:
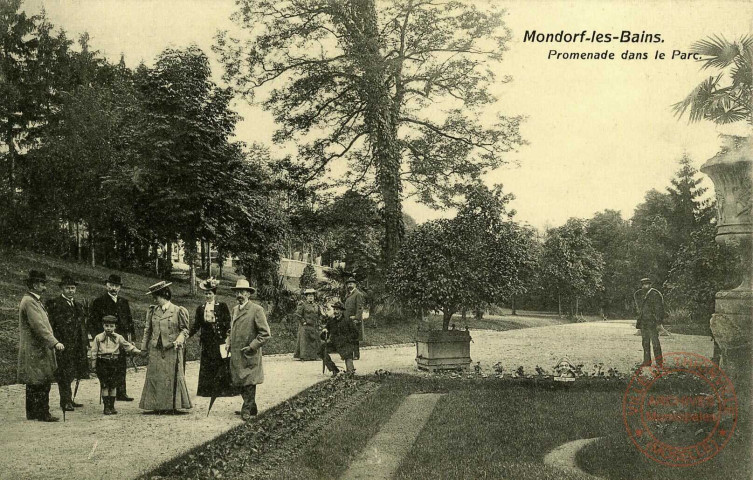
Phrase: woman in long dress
(307, 313)
(165, 332)
(212, 320)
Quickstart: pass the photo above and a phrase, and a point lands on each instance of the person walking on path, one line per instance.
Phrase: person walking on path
(36, 349)
(212, 321)
(68, 321)
(354, 305)
(108, 347)
(307, 314)
(650, 305)
(166, 329)
(249, 331)
(112, 303)
(340, 335)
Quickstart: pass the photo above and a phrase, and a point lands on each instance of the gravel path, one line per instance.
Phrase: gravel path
(90, 445)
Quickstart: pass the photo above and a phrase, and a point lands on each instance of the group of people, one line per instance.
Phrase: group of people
(55, 336)
(331, 328)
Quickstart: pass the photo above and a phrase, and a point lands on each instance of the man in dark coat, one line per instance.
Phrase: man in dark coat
(68, 321)
(111, 303)
(339, 335)
(36, 349)
(354, 305)
(650, 305)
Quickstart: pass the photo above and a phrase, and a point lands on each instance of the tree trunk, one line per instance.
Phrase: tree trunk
(380, 119)
(11, 164)
(479, 314)
(91, 247)
(203, 254)
(577, 305)
(514, 311)
(446, 317)
(559, 305)
(79, 253)
(190, 258)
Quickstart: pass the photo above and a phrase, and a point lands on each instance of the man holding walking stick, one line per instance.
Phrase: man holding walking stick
(68, 321)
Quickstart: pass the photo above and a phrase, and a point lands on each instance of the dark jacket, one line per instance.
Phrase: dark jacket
(212, 333)
(104, 305)
(650, 307)
(69, 327)
(355, 302)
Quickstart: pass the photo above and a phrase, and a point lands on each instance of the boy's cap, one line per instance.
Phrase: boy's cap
(109, 319)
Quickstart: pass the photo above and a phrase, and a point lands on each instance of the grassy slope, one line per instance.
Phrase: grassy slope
(15, 266)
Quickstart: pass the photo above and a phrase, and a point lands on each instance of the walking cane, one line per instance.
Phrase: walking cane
(175, 378)
(75, 391)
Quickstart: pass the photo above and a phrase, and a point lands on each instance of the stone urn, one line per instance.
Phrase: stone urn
(443, 350)
(731, 323)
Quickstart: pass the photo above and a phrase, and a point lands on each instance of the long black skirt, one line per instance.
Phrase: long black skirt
(214, 373)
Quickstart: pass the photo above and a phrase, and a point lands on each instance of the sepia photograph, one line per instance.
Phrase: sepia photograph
(376, 239)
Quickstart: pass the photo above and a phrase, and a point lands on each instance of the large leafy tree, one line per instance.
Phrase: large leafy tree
(390, 94)
(609, 235)
(191, 178)
(571, 267)
(34, 75)
(479, 257)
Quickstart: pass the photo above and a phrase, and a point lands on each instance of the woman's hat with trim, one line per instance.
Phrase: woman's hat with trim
(158, 286)
(309, 291)
(242, 284)
(209, 284)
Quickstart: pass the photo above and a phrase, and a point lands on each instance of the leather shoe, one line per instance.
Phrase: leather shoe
(124, 398)
(77, 405)
(48, 418)
(67, 408)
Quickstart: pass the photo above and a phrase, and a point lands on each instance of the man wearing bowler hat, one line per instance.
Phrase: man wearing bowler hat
(37, 346)
(650, 305)
(249, 331)
(354, 305)
(111, 303)
(68, 322)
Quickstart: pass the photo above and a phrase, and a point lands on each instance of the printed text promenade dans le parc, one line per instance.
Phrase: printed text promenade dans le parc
(595, 37)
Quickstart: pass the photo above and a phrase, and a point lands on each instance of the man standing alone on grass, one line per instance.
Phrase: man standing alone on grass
(111, 303)
(650, 305)
(36, 349)
(249, 331)
(354, 305)
(68, 322)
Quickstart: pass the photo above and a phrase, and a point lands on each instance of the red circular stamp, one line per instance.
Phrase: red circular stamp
(682, 412)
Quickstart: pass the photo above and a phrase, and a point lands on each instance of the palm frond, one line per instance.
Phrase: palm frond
(717, 50)
(698, 101)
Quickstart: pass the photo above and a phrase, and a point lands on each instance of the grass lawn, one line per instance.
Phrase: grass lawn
(615, 457)
(480, 428)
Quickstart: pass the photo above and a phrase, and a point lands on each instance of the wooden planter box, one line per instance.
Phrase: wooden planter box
(443, 350)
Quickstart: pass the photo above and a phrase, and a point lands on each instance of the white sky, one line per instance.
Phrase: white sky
(601, 133)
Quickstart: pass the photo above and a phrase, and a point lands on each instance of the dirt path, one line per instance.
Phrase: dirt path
(91, 446)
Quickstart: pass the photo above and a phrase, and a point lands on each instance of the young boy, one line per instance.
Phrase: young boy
(106, 351)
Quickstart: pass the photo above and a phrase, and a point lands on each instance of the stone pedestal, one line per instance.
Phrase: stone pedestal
(732, 322)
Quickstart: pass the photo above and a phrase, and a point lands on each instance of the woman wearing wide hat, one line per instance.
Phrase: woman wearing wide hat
(307, 315)
(165, 332)
(212, 320)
